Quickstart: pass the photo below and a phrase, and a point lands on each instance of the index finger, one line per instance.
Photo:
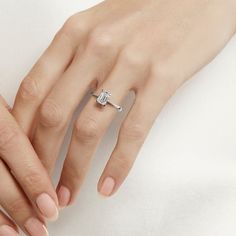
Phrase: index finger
(47, 70)
(18, 154)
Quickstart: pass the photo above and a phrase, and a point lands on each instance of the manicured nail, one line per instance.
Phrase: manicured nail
(47, 206)
(63, 196)
(35, 227)
(6, 230)
(107, 187)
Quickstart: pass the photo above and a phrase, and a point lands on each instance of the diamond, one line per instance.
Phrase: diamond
(103, 97)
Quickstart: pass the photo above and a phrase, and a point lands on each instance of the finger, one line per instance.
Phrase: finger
(89, 129)
(4, 103)
(57, 109)
(17, 206)
(45, 73)
(17, 152)
(132, 135)
(7, 226)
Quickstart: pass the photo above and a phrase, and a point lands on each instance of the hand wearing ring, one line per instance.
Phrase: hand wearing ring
(148, 47)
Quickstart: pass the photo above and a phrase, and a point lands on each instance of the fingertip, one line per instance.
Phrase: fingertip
(64, 196)
(107, 187)
(47, 207)
(34, 226)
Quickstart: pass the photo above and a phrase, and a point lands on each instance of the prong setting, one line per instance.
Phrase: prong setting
(104, 98)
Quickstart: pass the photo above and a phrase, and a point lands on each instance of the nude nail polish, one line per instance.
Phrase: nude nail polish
(64, 196)
(47, 206)
(107, 187)
(35, 227)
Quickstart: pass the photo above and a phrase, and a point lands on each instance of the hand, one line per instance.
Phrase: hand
(26, 191)
(149, 47)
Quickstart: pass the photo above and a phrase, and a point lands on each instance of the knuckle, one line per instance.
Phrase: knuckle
(132, 132)
(100, 41)
(164, 78)
(8, 134)
(74, 26)
(29, 89)
(16, 206)
(132, 59)
(160, 71)
(87, 129)
(32, 180)
(123, 163)
(51, 114)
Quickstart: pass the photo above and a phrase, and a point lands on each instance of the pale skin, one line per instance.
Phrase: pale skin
(148, 47)
(24, 199)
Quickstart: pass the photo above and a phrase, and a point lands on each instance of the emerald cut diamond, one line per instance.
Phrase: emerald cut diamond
(103, 97)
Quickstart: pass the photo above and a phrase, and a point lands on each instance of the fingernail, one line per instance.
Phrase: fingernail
(47, 206)
(63, 196)
(6, 230)
(107, 187)
(35, 227)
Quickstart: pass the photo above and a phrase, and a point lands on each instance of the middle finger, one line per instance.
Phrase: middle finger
(57, 109)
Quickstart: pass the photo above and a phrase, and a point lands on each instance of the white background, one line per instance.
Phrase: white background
(184, 181)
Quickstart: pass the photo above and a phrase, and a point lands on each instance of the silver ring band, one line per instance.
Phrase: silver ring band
(104, 98)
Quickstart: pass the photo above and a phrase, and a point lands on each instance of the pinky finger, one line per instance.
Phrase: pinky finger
(132, 135)
(7, 227)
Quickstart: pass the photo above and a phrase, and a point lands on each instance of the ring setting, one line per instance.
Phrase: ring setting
(104, 98)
